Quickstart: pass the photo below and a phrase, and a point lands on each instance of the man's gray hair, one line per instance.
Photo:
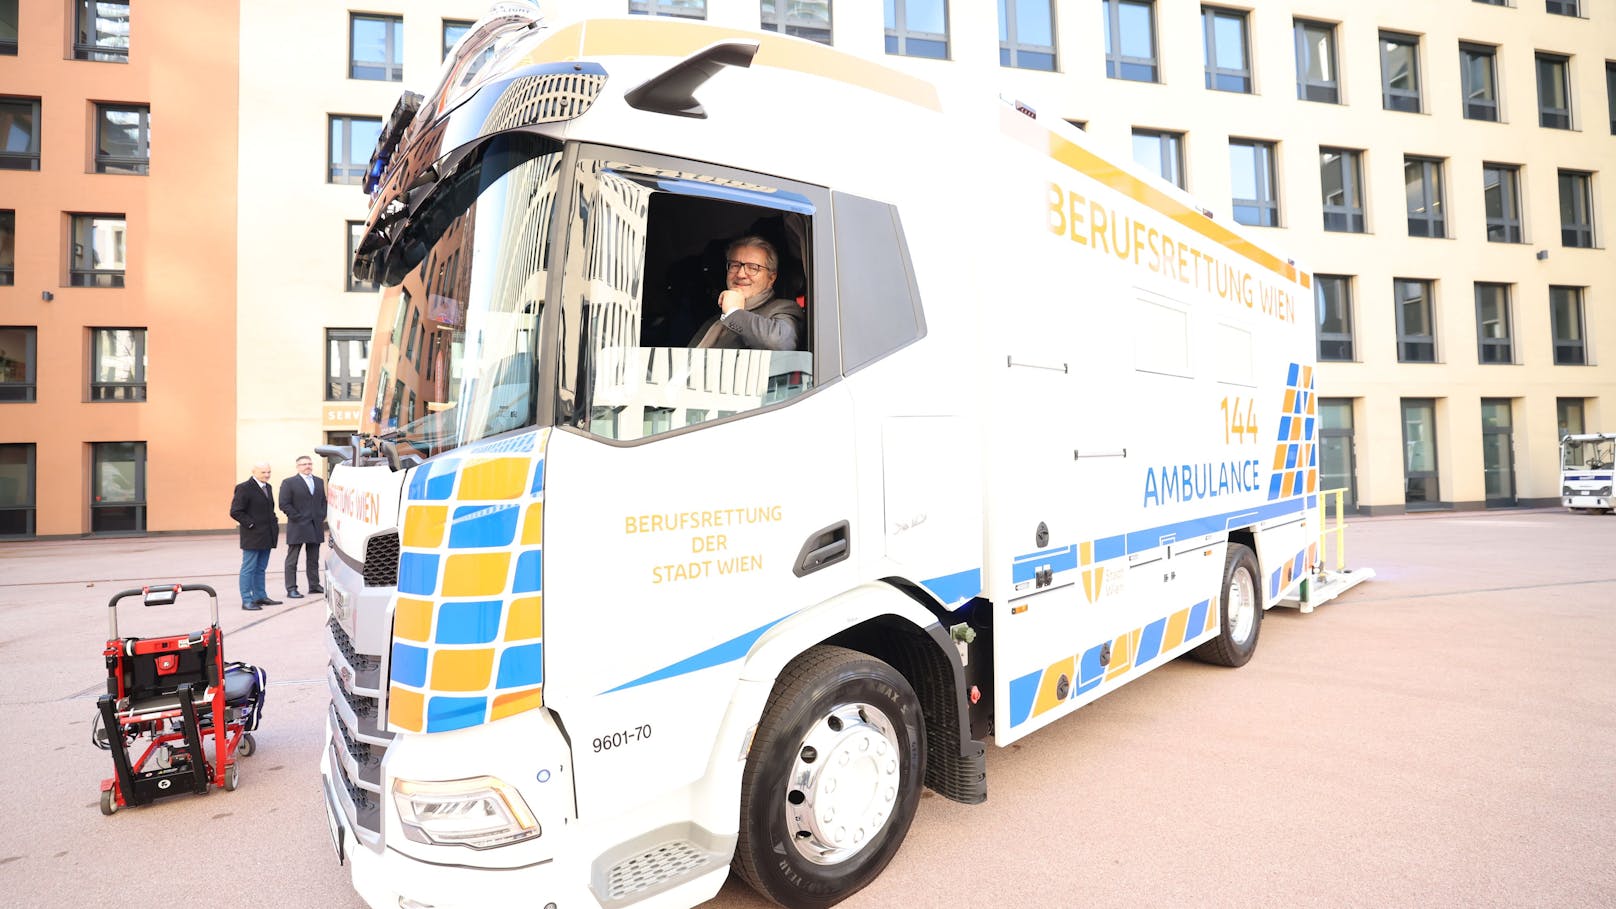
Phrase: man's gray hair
(261, 464)
(773, 258)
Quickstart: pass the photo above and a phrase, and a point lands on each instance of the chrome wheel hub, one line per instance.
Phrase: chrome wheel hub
(843, 784)
(1242, 605)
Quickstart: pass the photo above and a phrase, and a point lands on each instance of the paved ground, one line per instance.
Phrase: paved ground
(1441, 736)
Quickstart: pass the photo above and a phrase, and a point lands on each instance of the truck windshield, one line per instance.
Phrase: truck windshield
(1591, 453)
(455, 352)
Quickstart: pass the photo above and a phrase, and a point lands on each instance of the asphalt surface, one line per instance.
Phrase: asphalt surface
(1440, 736)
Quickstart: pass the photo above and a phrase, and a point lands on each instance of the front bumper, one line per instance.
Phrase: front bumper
(1586, 501)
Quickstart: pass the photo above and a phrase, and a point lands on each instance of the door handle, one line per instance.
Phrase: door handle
(824, 548)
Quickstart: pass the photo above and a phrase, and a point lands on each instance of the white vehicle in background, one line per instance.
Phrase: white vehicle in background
(612, 613)
(1588, 471)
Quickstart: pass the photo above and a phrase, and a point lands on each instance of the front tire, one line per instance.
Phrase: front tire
(1240, 613)
(832, 779)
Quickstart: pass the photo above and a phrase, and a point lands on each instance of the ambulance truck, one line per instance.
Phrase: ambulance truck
(612, 613)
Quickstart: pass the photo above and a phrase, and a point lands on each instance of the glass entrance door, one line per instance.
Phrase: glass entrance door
(1497, 452)
(1337, 467)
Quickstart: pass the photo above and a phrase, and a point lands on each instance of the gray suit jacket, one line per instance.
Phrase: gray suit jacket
(776, 325)
(305, 513)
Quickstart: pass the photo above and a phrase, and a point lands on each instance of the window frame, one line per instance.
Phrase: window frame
(675, 8)
(1563, 8)
(393, 39)
(1409, 474)
(8, 39)
(1012, 48)
(1270, 205)
(94, 276)
(1328, 90)
(346, 387)
(8, 247)
(1406, 100)
(1495, 349)
(1410, 346)
(120, 392)
(1170, 152)
(1116, 62)
(899, 35)
(1433, 197)
(1564, 408)
(1610, 92)
(96, 51)
(355, 232)
(463, 24)
(346, 167)
(1553, 117)
(1215, 74)
(1570, 349)
(1486, 109)
(26, 390)
(27, 159)
(131, 165)
(1508, 222)
(137, 504)
(1340, 345)
(1577, 233)
(1350, 213)
(29, 503)
(770, 20)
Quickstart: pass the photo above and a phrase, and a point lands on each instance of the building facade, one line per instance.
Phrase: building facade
(117, 263)
(1443, 170)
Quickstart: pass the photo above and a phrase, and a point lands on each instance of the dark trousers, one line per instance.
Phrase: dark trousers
(313, 564)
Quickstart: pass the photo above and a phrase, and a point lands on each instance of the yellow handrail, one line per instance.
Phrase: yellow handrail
(1339, 531)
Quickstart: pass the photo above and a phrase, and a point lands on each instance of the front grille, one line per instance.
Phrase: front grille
(547, 98)
(381, 560)
(363, 707)
(366, 755)
(363, 664)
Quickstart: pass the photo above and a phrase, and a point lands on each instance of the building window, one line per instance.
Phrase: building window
(1419, 452)
(1610, 93)
(1565, 312)
(1341, 176)
(8, 32)
(917, 28)
(8, 247)
(1130, 40)
(1553, 91)
(1501, 192)
(118, 487)
(1416, 339)
(1494, 2)
(356, 231)
(16, 488)
(1400, 71)
(101, 31)
(118, 364)
(453, 30)
(353, 140)
(19, 127)
(347, 352)
(1336, 457)
(1251, 173)
(1563, 7)
(17, 360)
(376, 48)
(1422, 183)
(122, 138)
(1027, 34)
(98, 245)
(1478, 70)
(688, 9)
(802, 18)
(1162, 152)
(1576, 210)
(1494, 338)
(1228, 62)
(1333, 294)
(1316, 78)
(1569, 414)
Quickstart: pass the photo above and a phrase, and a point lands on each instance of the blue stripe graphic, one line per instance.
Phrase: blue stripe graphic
(729, 651)
(954, 589)
(1023, 691)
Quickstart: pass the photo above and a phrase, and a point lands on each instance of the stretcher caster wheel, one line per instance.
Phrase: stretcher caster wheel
(231, 778)
(109, 803)
(247, 746)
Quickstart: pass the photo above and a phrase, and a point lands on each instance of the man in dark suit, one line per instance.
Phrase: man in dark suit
(253, 508)
(303, 500)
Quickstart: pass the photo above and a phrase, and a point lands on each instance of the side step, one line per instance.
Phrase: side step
(1324, 586)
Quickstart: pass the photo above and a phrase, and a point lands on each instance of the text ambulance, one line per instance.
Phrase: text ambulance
(612, 613)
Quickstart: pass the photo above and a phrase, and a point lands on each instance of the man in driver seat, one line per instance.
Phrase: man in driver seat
(750, 315)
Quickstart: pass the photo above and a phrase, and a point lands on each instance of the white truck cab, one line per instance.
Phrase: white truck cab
(1588, 471)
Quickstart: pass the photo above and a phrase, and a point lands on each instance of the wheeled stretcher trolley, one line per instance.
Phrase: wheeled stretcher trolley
(176, 704)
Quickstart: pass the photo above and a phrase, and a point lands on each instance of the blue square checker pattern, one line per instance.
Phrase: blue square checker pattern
(529, 568)
(446, 713)
(409, 665)
(477, 526)
(468, 623)
(522, 666)
(417, 574)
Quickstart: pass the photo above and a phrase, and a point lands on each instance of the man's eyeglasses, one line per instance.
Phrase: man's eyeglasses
(751, 268)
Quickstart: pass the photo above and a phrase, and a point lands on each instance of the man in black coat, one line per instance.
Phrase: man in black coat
(253, 508)
(303, 500)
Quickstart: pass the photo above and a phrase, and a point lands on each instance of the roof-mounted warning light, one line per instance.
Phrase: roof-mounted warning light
(387, 143)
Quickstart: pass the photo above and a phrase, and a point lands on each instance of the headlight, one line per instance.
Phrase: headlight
(481, 812)
(1565, 490)
(1602, 491)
